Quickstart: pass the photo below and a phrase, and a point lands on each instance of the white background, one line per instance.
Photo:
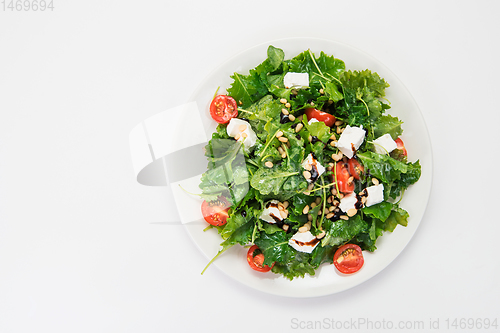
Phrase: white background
(85, 248)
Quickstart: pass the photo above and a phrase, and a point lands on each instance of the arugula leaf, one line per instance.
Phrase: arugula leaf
(359, 80)
(340, 231)
(398, 216)
(388, 124)
(275, 247)
(384, 167)
(270, 180)
(380, 211)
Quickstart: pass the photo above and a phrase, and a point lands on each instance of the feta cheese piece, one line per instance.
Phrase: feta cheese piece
(304, 241)
(384, 144)
(242, 131)
(375, 195)
(348, 202)
(296, 80)
(312, 120)
(314, 168)
(350, 140)
(271, 213)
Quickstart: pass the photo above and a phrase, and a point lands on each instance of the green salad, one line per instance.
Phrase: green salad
(306, 167)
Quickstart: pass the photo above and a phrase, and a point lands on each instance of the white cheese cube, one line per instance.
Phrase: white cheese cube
(350, 140)
(375, 195)
(384, 144)
(304, 241)
(243, 130)
(271, 213)
(314, 167)
(348, 202)
(296, 80)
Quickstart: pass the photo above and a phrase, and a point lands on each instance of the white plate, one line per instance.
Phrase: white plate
(326, 281)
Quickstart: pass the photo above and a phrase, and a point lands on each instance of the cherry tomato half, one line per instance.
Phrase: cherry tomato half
(327, 118)
(348, 258)
(401, 146)
(256, 262)
(343, 176)
(223, 108)
(215, 212)
(355, 168)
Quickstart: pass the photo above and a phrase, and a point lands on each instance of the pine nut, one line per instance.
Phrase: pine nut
(375, 181)
(338, 122)
(319, 212)
(310, 186)
(285, 227)
(242, 128)
(344, 217)
(351, 212)
(305, 210)
(329, 215)
(308, 167)
(313, 204)
(269, 164)
(237, 137)
(279, 134)
(329, 200)
(291, 117)
(309, 217)
(299, 118)
(350, 180)
(310, 138)
(333, 137)
(280, 150)
(288, 144)
(308, 225)
(318, 200)
(333, 143)
(321, 235)
(321, 91)
(331, 208)
(283, 139)
(334, 191)
(244, 135)
(288, 105)
(341, 195)
(363, 200)
(337, 157)
(306, 174)
(299, 127)
(285, 111)
(338, 130)
(282, 101)
(283, 214)
(312, 103)
(285, 204)
(303, 229)
(283, 155)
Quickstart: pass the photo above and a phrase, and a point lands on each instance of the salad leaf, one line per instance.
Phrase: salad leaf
(270, 180)
(384, 167)
(388, 124)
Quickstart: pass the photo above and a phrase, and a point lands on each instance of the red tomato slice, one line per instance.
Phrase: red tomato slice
(343, 176)
(327, 118)
(348, 258)
(215, 212)
(256, 262)
(401, 146)
(223, 108)
(355, 168)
